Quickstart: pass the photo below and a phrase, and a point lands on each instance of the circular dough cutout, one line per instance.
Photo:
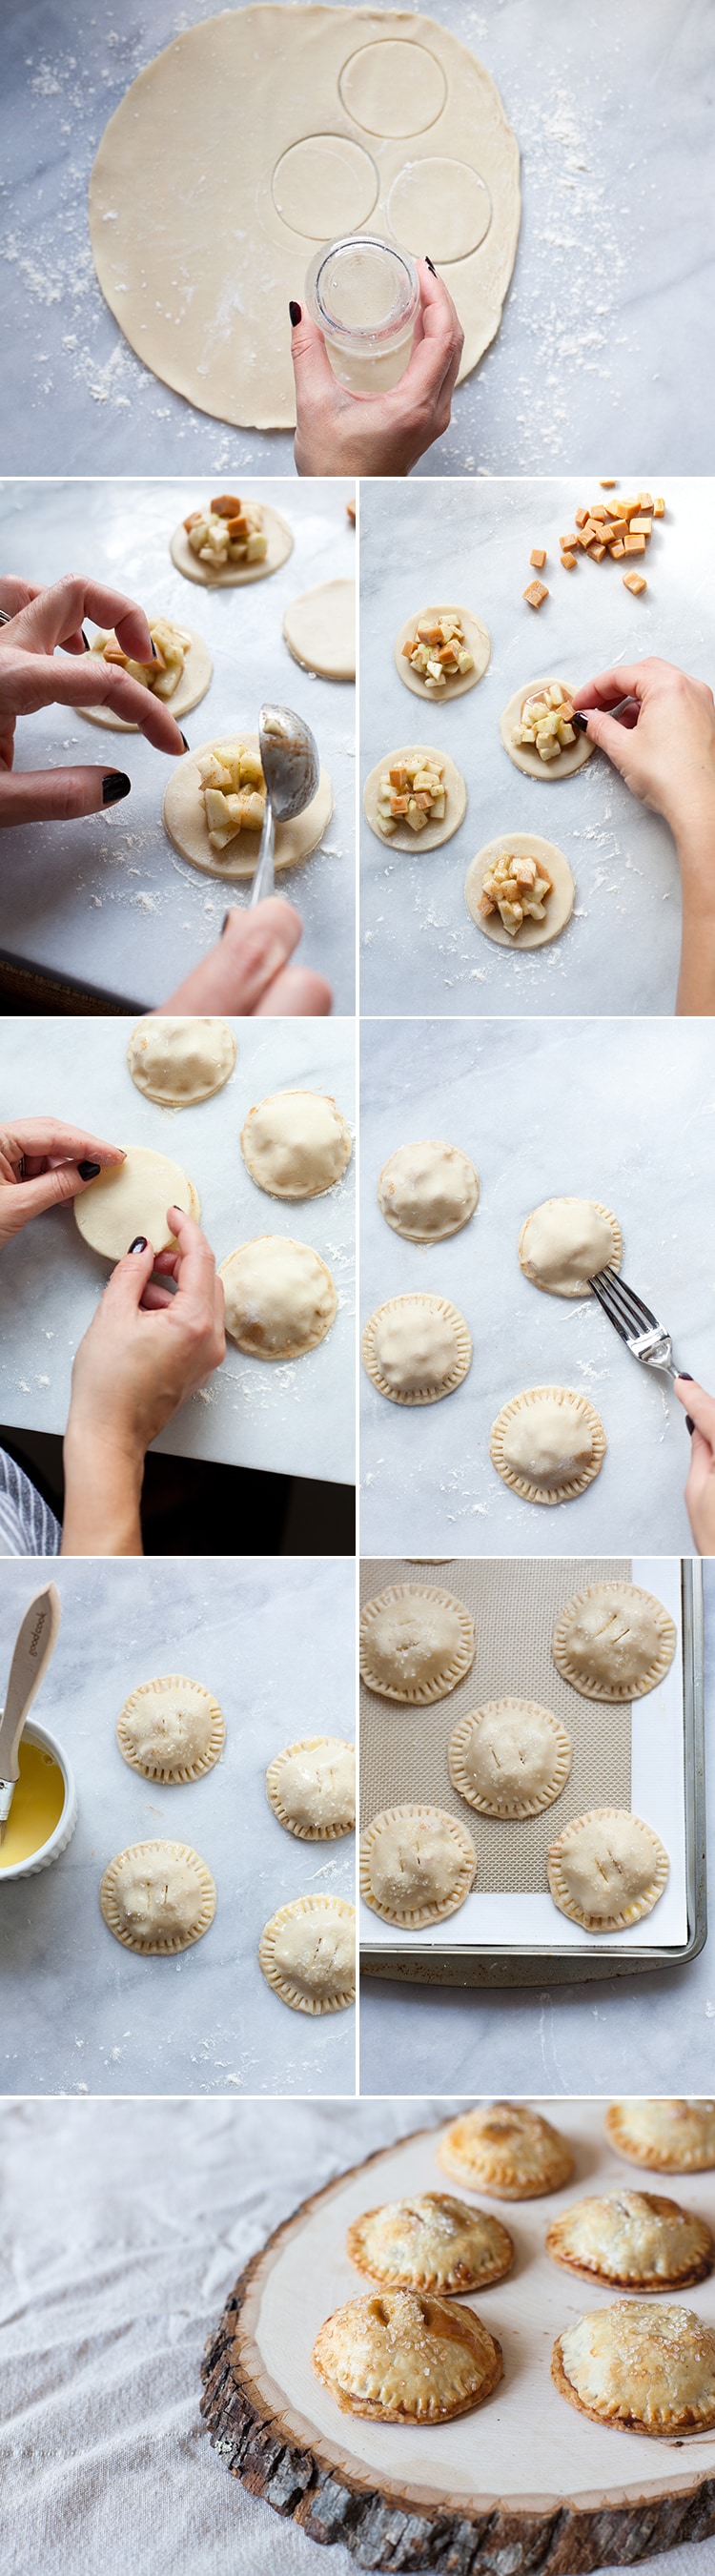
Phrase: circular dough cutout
(430, 2242)
(548, 1444)
(179, 1062)
(460, 208)
(434, 833)
(311, 1788)
(185, 820)
(280, 1297)
(565, 1242)
(157, 1898)
(478, 642)
(416, 1643)
(417, 1348)
(607, 1869)
(393, 88)
(417, 1865)
(324, 186)
(559, 907)
(232, 576)
(296, 1144)
(527, 759)
(171, 1729)
(307, 1954)
(131, 1198)
(613, 1642)
(319, 630)
(509, 1758)
(195, 679)
(427, 1191)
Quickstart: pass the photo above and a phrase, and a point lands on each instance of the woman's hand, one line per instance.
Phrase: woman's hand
(700, 1487)
(665, 749)
(248, 971)
(385, 433)
(32, 675)
(147, 1349)
(42, 1164)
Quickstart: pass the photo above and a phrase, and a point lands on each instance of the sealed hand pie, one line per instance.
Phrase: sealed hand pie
(607, 1869)
(171, 1729)
(509, 1758)
(406, 2359)
(669, 2135)
(178, 1062)
(428, 1191)
(157, 1898)
(296, 1144)
(565, 1242)
(311, 1788)
(307, 1954)
(416, 1865)
(507, 2150)
(280, 1297)
(416, 1348)
(548, 1444)
(632, 2240)
(430, 2242)
(416, 1642)
(639, 2368)
(613, 1641)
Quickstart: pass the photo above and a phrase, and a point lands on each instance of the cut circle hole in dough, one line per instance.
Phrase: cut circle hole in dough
(186, 824)
(559, 904)
(393, 88)
(324, 186)
(280, 1298)
(416, 1642)
(416, 1348)
(430, 2242)
(460, 207)
(614, 1642)
(428, 1191)
(524, 754)
(319, 630)
(307, 1954)
(195, 679)
(564, 1243)
(404, 2358)
(311, 1788)
(639, 2369)
(417, 1865)
(478, 642)
(178, 1062)
(509, 1758)
(434, 833)
(632, 2240)
(171, 1729)
(232, 576)
(507, 2150)
(296, 1144)
(668, 2135)
(607, 1869)
(131, 1198)
(548, 1444)
(157, 1898)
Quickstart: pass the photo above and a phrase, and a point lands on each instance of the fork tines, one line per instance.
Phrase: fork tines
(624, 1309)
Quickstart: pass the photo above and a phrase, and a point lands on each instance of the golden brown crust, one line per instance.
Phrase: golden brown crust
(403, 2357)
(683, 2139)
(476, 2251)
(506, 2150)
(675, 2273)
(663, 2357)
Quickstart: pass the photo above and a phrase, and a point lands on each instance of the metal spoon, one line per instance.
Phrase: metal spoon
(291, 768)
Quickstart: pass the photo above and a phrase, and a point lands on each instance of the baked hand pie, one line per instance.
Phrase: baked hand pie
(632, 2240)
(507, 2150)
(565, 1242)
(280, 1297)
(417, 1865)
(171, 1729)
(548, 1444)
(639, 2368)
(509, 1758)
(416, 1642)
(428, 1191)
(311, 1788)
(307, 1954)
(613, 1641)
(607, 1869)
(670, 2136)
(416, 1348)
(157, 1898)
(402, 2358)
(430, 2243)
(296, 1144)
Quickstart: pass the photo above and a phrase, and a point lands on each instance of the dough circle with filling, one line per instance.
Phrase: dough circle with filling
(171, 1729)
(131, 1198)
(416, 1642)
(428, 1191)
(296, 1144)
(157, 1897)
(311, 1788)
(195, 679)
(548, 1444)
(319, 630)
(280, 1297)
(478, 642)
(178, 1062)
(186, 824)
(565, 1242)
(434, 833)
(559, 904)
(307, 1954)
(416, 1348)
(614, 1641)
(417, 1865)
(509, 1758)
(232, 576)
(607, 1869)
(525, 755)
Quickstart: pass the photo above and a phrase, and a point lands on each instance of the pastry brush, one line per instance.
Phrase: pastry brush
(34, 1647)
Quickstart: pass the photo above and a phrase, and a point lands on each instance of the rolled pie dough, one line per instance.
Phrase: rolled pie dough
(178, 1062)
(319, 630)
(289, 127)
(186, 824)
(565, 1242)
(296, 1144)
(428, 1191)
(307, 1954)
(231, 576)
(132, 1198)
(157, 1897)
(280, 1297)
(171, 1729)
(416, 1348)
(559, 904)
(195, 679)
(478, 642)
(527, 758)
(434, 833)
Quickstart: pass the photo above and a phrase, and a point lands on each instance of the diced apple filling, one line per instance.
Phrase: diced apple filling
(518, 889)
(413, 792)
(227, 531)
(163, 673)
(438, 652)
(233, 790)
(546, 722)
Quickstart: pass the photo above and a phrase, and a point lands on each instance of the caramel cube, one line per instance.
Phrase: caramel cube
(634, 545)
(618, 549)
(640, 527)
(227, 505)
(537, 591)
(570, 540)
(598, 553)
(659, 509)
(644, 501)
(581, 517)
(398, 779)
(634, 581)
(538, 558)
(607, 482)
(568, 561)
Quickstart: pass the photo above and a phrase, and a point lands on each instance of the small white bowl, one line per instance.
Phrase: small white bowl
(58, 1840)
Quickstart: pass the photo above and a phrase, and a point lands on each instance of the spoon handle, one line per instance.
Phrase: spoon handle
(264, 882)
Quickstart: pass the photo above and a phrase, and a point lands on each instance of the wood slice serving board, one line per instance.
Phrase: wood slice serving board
(524, 2483)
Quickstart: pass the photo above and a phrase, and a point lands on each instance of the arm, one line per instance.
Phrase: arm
(338, 434)
(667, 757)
(147, 1350)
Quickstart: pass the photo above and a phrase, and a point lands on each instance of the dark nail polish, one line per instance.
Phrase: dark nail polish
(88, 1171)
(85, 640)
(580, 720)
(688, 1374)
(114, 785)
(295, 311)
(225, 922)
(429, 263)
(690, 1426)
(183, 738)
(139, 1244)
(153, 647)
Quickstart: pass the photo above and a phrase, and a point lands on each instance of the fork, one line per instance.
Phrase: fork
(638, 1326)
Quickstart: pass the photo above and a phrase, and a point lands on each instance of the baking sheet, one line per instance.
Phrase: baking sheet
(293, 1418)
(610, 1110)
(273, 1640)
(107, 898)
(420, 951)
(507, 1917)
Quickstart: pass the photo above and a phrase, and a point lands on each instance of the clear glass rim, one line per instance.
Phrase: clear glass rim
(366, 334)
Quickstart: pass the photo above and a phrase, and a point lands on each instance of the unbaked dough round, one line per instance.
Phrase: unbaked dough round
(171, 1729)
(509, 1758)
(548, 1444)
(559, 907)
(296, 1144)
(319, 630)
(131, 1198)
(311, 1788)
(186, 824)
(614, 1642)
(417, 1865)
(607, 1869)
(307, 1954)
(477, 640)
(565, 1242)
(178, 1062)
(203, 297)
(416, 1643)
(195, 679)
(157, 1898)
(232, 576)
(434, 833)
(460, 209)
(527, 757)
(280, 1297)
(416, 1348)
(427, 1191)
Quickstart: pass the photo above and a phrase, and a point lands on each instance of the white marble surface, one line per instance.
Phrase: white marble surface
(642, 2035)
(295, 1418)
(607, 313)
(107, 898)
(420, 949)
(610, 1111)
(274, 1642)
